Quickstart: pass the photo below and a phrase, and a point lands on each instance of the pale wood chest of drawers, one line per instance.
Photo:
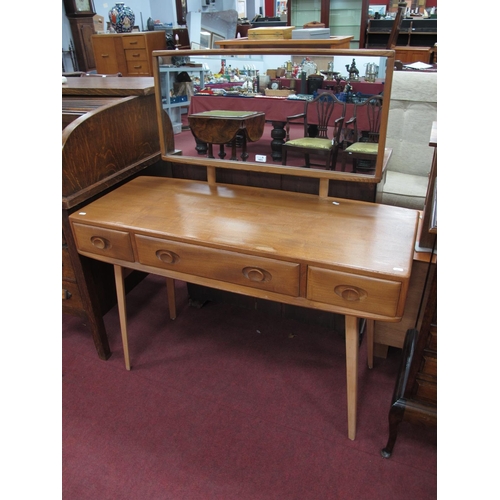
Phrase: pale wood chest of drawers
(127, 53)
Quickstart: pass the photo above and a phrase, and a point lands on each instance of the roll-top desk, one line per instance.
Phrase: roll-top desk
(103, 144)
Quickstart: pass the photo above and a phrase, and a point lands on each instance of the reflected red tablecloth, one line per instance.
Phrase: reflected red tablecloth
(276, 108)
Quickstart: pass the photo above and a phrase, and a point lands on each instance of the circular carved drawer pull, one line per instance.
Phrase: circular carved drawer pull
(256, 274)
(350, 293)
(100, 243)
(167, 257)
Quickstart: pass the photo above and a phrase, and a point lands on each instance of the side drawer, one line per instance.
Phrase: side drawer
(136, 55)
(134, 42)
(240, 269)
(100, 241)
(353, 291)
(71, 298)
(426, 391)
(138, 68)
(68, 272)
(429, 364)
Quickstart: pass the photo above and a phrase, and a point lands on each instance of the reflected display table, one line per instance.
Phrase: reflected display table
(226, 127)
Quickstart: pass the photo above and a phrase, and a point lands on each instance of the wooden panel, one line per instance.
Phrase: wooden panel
(393, 334)
(413, 54)
(272, 33)
(109, 57)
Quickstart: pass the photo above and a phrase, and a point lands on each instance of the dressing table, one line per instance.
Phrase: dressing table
(315, 251)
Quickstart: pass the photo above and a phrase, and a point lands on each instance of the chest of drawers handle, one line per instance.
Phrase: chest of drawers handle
(350, 293)
(256, 274)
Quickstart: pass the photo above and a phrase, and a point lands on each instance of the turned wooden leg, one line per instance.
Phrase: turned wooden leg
(278, 135)
(352, 353)
(122, 311)
(244, 154)
(233, 150)
(395, 418)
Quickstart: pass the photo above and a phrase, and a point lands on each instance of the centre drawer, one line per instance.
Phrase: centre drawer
(232, 267)
(136, 55)
(361, 293)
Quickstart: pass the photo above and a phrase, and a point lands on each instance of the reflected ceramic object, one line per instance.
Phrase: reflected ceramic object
(309, 68)
(122, 18)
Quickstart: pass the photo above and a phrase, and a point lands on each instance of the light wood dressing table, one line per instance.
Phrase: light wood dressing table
(344, 256)
(311, 250)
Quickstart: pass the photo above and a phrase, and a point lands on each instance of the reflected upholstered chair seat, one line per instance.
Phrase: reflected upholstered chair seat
(318, 121)
(364, 147)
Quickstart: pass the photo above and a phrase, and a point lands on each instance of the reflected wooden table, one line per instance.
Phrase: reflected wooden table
(227, 127)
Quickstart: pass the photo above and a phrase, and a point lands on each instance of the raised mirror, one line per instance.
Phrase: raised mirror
(270, 64)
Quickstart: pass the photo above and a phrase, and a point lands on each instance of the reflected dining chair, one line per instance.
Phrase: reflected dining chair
(361, 141)
(318, 121)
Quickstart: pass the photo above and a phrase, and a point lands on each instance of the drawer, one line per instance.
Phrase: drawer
(71, 298)
(67, 268)
(134, 42)
(426, 391)
(106, 242)
(360, 293)
(232, 267)
(429, 364)
(136, 55)
(138, 68)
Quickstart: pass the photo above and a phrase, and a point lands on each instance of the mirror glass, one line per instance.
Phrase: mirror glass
(205, 28)
(279, 82)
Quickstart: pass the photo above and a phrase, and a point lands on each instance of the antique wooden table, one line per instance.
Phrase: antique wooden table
(226, 126)
(344, 256)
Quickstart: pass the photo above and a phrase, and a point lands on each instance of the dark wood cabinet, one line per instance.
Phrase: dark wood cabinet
(412, 33)
(82, 29)
(415, 394)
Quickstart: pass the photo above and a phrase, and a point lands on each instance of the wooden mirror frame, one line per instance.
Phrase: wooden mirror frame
(167, 138)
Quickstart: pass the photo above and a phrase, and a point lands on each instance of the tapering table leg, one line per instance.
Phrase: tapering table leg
(352, 354)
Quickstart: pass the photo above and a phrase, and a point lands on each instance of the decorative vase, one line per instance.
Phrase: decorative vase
(122, 18)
